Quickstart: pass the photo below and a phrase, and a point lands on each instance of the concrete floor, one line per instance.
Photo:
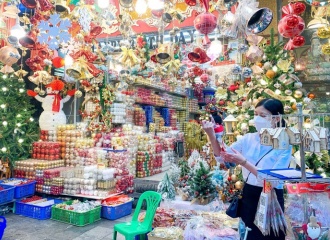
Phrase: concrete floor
(24, 228)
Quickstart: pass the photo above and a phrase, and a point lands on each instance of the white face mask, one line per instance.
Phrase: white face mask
(260, 122)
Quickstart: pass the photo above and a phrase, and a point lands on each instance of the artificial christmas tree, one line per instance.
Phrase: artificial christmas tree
(18, 129)
(166, 188)
(201, 184)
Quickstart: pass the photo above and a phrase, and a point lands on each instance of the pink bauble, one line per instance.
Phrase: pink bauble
(294, 8)
(286, 30)
(204, 78)
(205, 23)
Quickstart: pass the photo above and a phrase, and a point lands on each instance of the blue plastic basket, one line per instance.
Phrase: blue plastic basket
(3, 225)
(33, 211)
(118, 211)
(23, 190)
(7, 195)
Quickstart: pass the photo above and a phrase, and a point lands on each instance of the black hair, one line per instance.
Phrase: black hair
(217, 118)
(274, 106)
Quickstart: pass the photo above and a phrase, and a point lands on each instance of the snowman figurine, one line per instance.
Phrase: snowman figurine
(52, 104)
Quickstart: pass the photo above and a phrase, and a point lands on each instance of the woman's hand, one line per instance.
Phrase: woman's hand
(235, 157)
(208, 126)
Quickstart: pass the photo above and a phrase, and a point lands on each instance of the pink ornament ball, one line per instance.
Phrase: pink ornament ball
(205, 23)
(286, 26)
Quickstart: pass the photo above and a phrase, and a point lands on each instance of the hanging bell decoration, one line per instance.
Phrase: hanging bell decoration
(29, 3)
(167, 17)
(61, 7)
(12, 40)
(258, 19)
(85, 74)
(11, 11)
(29, 40)
(198, 55)
(45, 5)
(126, 3)
(75, 70)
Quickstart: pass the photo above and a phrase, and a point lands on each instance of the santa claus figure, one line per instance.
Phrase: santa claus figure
(52, 104)
(312, 229)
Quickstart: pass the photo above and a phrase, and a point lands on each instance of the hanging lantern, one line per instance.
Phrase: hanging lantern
(230, 124)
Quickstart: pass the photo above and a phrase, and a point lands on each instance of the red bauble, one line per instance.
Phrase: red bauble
(298, 8)
(298, 41)
(221, 102)
(205, 23)
(292, 21)
(58, 62)
(288, 31)
(247, 79)
(232, 88)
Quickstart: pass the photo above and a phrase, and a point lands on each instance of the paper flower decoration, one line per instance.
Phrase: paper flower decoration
(221, 93)
(284, 65)
(54, 31)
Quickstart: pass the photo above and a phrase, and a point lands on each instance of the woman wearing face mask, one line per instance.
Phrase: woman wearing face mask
(251, 155)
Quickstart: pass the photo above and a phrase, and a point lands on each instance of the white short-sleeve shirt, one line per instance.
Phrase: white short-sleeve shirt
(249, 146)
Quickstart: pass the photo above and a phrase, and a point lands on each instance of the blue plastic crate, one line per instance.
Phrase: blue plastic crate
(23, 190)
(7, 194)
(118, 211)
(3, 226)
(33, 211)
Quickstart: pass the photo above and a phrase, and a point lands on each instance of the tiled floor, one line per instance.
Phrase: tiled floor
(23, 228)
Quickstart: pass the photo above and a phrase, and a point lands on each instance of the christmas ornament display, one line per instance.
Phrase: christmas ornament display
(292, 25)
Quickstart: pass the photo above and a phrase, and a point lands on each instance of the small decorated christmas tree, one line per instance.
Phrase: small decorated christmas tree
(201, 184)
(184, 173)
(166, 188)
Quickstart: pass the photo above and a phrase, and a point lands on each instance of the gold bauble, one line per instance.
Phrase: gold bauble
(233, 177)
(326, 49)
(239, 185)
(323, 32)
(298, 94)
(238, 169)
(270, 74)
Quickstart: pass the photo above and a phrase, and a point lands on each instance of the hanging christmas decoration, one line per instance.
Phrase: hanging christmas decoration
(254, 53)
(205, 22)
(292, 25)
(54, 27)
(8, 56)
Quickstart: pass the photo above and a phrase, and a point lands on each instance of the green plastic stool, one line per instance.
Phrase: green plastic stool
(134, 228)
